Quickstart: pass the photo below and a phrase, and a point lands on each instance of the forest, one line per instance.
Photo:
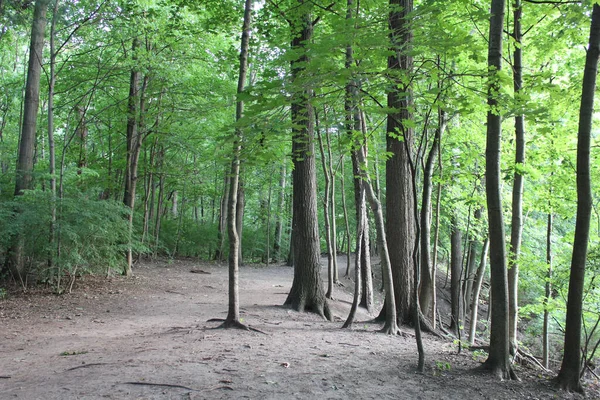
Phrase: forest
(396, 145)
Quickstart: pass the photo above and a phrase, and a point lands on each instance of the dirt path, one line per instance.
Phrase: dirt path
(147, 338)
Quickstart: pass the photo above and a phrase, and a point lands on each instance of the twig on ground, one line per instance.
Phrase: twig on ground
(199, 271)
(85, 366)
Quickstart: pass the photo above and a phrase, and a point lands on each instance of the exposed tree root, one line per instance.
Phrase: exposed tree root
(234, 324)
(84, 366)
(168, 385)
(569, 383)
(390, 328)
(496, 370)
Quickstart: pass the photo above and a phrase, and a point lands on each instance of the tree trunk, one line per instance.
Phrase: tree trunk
(25, 161)
(346, 220)
(280, 213)
(307, 291)
(569, 375)
(455, 273)
(477, 290)
(389, 309)
(548, 295)
(326, 216)
(400, 226)
(498, 361)
(222, 229)
(360, 230)
(233, 314)
(134, 144)
(427, 278)
(517, 191)
(52, 147)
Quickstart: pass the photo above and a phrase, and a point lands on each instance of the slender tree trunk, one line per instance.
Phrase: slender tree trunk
(476, 291)
(25, 161)
(346, 219)
(233, 314)
(389, 309)
(436, 241)
(222, 229)
(427, 284)
(161, 189)
(498, 361)
(133, 149)
(307, 291)
(569, 375)
(548, 295)
(517, 191)
(360, 229)
(326, 216)
(239, 216)
(455, 272)
(366, 269)
(52, 148)
(280, 213)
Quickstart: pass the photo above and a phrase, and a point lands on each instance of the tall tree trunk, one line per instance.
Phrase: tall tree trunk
(233, 314)
(569, 375)
(132, 151)
(52, 147)
(25, 161)
(307, 291)
(548, 295)
(517, 191)
(425, 294)
(498, 361)
(400, 227)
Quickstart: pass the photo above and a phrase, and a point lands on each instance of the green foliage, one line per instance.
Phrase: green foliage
(91, 233)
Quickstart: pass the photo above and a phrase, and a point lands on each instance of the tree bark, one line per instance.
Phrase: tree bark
(569, 375)
(400, 223)
(517, 191)
(476, 291)
(498, 361)
(548, 295)
(25, 161)
(233, 314)
(427, 278)
(455, 273)
(280, 213)
(307, 288)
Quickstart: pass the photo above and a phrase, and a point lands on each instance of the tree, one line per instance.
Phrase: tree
(498, 361)
(233, 314)
(400, 217)
(569, 375)
(25, 162)
(307, 289)
(517, 190)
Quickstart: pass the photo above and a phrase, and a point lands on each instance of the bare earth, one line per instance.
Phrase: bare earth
(148, 337)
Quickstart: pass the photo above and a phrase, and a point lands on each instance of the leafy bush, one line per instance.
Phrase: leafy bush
(90, 235)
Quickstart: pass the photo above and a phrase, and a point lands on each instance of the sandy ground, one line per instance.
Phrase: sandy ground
(147, 337)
